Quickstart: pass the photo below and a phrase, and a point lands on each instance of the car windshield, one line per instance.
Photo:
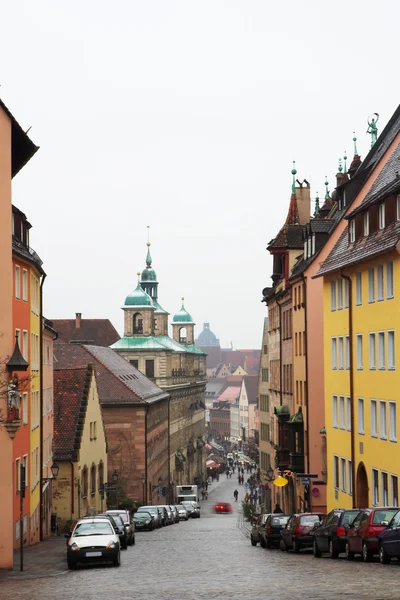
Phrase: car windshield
(149, 509)
(181, 508)
(279, 521)
(396, 520)
(142, 515)
(122, 516)
(383, 515)
(187, 506)
(349, 517)
(93, 528)
(309, 520)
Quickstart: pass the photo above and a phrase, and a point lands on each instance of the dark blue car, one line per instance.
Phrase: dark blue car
(389, 541)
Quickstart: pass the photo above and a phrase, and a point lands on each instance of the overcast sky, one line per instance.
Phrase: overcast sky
(186, 116)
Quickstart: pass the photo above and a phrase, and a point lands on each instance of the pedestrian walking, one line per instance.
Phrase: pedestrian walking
(227, 473)
(239, 480)
(242, 479)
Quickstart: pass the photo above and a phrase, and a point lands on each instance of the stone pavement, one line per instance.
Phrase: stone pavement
(46, 559)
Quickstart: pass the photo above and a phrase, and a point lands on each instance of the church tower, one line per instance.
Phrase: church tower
(183, 327)
(138, 313)
(149, 283)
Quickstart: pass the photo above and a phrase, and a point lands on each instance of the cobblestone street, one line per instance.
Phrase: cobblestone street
(206, 558)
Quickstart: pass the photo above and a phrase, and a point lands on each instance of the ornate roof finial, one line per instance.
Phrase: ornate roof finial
(326, 188)
(316, 210)
(340, 168)
(148, 257)
(345, 164)
(138, 274)
(372, 127)
(355, 143)
(294, 172)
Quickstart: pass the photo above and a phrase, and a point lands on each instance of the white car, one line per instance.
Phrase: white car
(93, 540)
(183, 513)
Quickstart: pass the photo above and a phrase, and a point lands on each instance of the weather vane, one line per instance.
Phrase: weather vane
(372, 128)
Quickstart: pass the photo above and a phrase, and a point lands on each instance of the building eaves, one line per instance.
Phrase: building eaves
(22, 147)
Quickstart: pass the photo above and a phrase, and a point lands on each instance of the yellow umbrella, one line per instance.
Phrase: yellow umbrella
(280, 481)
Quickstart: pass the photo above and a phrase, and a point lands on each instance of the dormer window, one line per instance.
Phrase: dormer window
(366, 223)
(305, 250)
(309, 247)
(382, 216)
(313, 245)
(352, 231)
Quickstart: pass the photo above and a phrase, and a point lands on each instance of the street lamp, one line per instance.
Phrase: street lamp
(270, 474)
(143, 484)
(54, 472)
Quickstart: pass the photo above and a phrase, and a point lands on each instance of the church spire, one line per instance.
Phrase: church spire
(326, 188)
(293, 212)
(316, 209)
(148, 257)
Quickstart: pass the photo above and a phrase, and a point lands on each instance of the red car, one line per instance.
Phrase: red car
(362, 536)
(223, 507)
(297, 533)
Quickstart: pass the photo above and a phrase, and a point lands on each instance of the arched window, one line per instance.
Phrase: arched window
(100, 471)
(182, 335)
(137, 323)
(93, 480)
(84, 482)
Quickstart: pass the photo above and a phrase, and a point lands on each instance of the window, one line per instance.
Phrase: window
(371, 285)
(150, 369)
(341, 412)
(134, 363)
(347, 339)
(392, 421)
(334, 364)
(92, 480)
(382, 420)
(348, 413)
(358, 288)
(334, 412)
(17, 474)
(84, 482)
(391, 351)
(352, 231)
(372, 351)
(309, 249)
(366, 223)
(381, 210)
(394, 487)
(24, 285)
(340, 294)
(375, 487)
(380, 287)
(361, 416)
(381, 350)
(25, 463)
(346, 293)
(340, 353)
(333, 295)
(389, 280)
(264, 374)
(359, 339)
(343, 474)
(384, 486)
(336, 472)
(305, 250)
(17, 282)
(313, 244)
(350, 477)
(25, 414)
(374, 426)
(25, 352)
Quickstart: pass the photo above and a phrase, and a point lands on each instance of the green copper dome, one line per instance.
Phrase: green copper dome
(139, 298)
(182, 316)
(149, 274)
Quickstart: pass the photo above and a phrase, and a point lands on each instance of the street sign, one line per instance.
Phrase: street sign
(306, 476)
(305, 481)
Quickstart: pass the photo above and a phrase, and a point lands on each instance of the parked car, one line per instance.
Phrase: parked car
(196, 507)
(93, 540)
(223, 507)
(171, 519)
(175, 513)
(258, 525)
(297, 533)
(155, 513)
(164, 515)
(362, 536)
(119, 527)
(143, 520)
(128, 523)
(191, 509)
(330, 535)
(182, 512)
(270, 534)
(389, 541)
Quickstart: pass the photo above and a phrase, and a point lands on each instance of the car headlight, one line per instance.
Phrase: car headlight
(147, 522)
(74, 546)
(110, 544)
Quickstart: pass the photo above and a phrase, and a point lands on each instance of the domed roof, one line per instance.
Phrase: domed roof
(139, 298)
(183, 316)
(207, 337)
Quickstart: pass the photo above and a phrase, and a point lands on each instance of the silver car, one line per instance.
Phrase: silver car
(93, 540)
(182, 512)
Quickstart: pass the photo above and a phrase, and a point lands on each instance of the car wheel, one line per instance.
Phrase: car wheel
(262, 543)
(349, 553)
(332, 552)
(383, 556)
(253, 541)
(296, 546)
(366, 554)
(268, 544)
(117, 560)
(130, 540)
(282, 546)
(72, 565)
(133, 541)
(317, 553)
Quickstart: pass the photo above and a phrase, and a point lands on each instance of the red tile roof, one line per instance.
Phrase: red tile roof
(229, 394)
(71, 387)
(99, 332)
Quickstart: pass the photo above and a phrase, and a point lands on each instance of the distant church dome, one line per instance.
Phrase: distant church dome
(207, 337)
(139, 298)
(183, 316)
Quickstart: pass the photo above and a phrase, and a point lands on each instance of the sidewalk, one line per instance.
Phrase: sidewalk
(46, 559)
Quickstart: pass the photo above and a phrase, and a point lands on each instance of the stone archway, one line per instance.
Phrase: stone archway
(362, 487)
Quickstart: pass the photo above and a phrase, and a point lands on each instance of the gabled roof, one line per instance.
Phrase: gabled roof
(230, 394)
(251, 384)
(22, 147)
(290, 237)
(71, 388)
(100, 332)
(118, 381)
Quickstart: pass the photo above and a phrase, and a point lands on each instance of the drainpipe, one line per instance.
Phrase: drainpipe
(170, 498)
(72, 491)
(304, 279)
(41, 511)
(145, 451)
(280, 352)
(352, 399)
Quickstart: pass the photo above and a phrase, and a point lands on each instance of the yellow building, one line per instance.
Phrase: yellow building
(79, 445)
(361, 282)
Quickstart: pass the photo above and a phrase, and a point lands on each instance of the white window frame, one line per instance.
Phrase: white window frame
(341, 412)
(385, 496)
(375, 487)
(25, 285)
(334, 353)
(25, 408)
(392, 420)
(394, 501)
(382, 420)
(371, 285)
(381, 216)
(336, 473)
(359, 343)
(352, 231)
(343, 474)
(17, 282)
(340, 353)
(340, 293)
(358, 288)
(333, 295)
(373, 410)
(347, 349)
(372, 350)
(366, 223)
(348, 413)
(346, 293)
(389, 280)
(380, 286)
(305, 250)
(313, 245)
(309, 247)
(361, 416)
(381, 351)
(350, 477)
(391, 350)
(25, 345)
(335, 424)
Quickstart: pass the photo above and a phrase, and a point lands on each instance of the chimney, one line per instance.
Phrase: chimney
(303, 201)
(78, 318)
